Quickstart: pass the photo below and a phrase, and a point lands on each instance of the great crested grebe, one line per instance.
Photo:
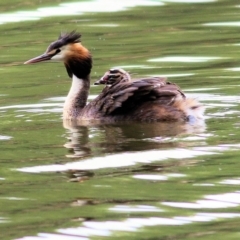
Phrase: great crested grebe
(148, 99)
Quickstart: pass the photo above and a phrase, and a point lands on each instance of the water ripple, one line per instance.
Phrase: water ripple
(107, 228)
(5, 137)
(185, 59)
(121, 160)
(157, 177)
(189, 1)
(225, 200)
(137, 208)
(223, 24)
(75, 8)
(132, 158)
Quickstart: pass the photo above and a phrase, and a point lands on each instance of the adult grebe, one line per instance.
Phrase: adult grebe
(148, 99)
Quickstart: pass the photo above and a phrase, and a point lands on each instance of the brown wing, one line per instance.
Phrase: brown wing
(123, 97)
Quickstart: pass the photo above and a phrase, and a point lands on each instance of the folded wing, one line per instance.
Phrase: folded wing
(127, 96)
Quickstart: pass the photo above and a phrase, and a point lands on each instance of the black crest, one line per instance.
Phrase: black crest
(64, 39)
(72, 37)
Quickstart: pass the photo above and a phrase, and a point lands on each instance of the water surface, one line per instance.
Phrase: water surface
(120, 181)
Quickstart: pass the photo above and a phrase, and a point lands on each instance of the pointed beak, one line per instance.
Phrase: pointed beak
(41, 58)
(100, 81)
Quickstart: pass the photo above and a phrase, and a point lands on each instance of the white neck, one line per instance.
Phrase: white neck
(71, 107)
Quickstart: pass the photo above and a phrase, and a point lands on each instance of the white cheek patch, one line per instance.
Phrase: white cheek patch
(60, 56)
(57, 57)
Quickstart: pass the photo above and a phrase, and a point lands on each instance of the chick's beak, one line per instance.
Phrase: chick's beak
(102, 80)
(41, 58)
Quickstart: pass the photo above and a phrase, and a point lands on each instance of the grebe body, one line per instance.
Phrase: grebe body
(148, 99)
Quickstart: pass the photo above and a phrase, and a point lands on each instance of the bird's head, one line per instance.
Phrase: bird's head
(68, 49)
(114, 76)
(66, 46)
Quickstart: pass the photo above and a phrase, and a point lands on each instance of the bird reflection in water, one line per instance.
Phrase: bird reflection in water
(91, 140)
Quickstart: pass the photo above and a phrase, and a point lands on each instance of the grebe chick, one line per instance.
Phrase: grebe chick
(114, 76)
(149, 99)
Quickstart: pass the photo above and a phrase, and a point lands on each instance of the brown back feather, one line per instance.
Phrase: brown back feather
(125, 97)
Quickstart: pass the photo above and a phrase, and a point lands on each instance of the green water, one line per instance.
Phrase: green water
(124, 181)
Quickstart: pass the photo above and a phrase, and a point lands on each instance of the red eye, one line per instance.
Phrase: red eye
(105, 78)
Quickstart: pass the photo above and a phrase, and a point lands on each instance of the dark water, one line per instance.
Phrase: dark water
(122, 181)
